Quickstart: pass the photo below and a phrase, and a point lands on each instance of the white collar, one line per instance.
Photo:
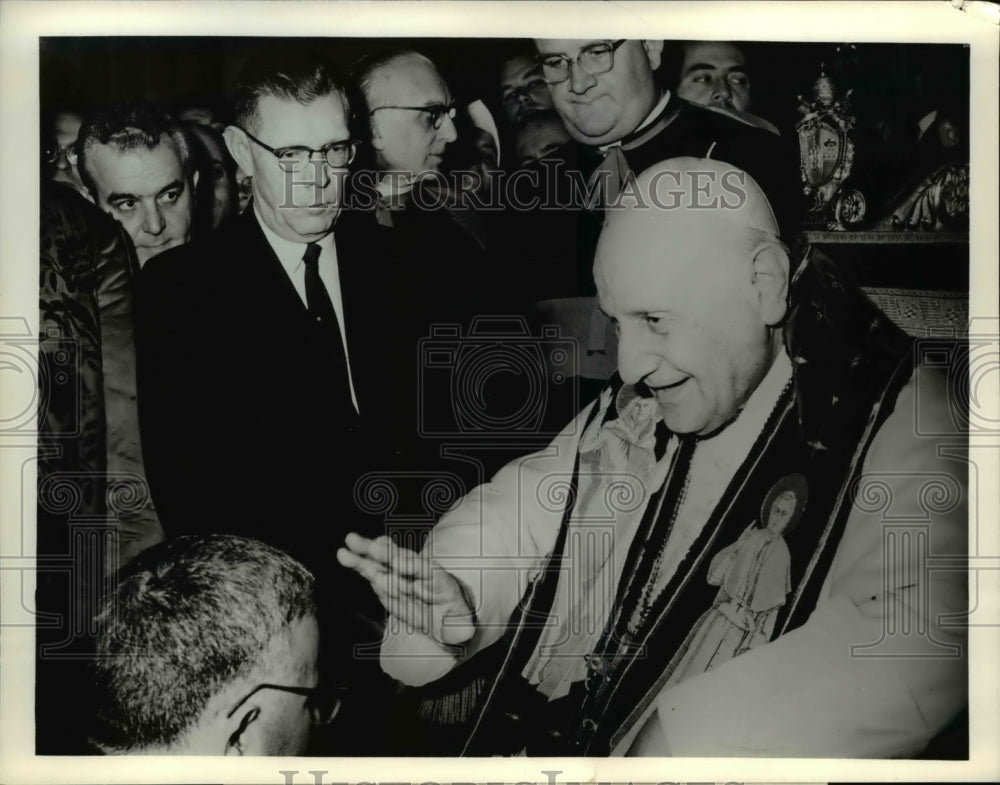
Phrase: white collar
(393, 185)
(290, 252)
(649, 119)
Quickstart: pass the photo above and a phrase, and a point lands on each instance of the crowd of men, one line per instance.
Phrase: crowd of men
(288, 377)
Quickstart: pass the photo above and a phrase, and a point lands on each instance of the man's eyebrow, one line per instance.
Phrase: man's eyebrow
(116, 197)
(714, 67)
(171, 187)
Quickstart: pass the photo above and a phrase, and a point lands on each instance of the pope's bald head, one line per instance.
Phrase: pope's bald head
(690, 267)
(688, 211)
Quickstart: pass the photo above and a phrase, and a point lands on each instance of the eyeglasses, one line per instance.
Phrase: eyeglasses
(435, 112)
(322, 702)
(52, 152)
(595, 59)
(294, 159)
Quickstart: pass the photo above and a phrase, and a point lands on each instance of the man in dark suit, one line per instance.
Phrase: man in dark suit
(251, 394)
(251, 342)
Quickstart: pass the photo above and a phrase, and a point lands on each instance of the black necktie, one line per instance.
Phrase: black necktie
(320, 308)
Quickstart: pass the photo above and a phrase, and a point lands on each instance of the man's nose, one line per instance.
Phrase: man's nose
(447, 131)
(62, 161)
(318, 173)
(635, 359)
(722, 92)
(580, 79)
(152, 220)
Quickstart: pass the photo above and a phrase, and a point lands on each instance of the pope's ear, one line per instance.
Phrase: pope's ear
(654, 51)
(770, 280)
(239, 148)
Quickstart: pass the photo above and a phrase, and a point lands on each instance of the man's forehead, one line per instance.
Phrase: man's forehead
(285, 121)
(567, 46)
(412, 81)
(713, 53)
(668, 250)
(140, 170)
(519, 68)
(67, 123)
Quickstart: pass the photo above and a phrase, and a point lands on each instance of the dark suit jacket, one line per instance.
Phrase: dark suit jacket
(248, 430)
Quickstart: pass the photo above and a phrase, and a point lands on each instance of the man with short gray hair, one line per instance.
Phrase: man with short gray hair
(209, 646)
(136, 163)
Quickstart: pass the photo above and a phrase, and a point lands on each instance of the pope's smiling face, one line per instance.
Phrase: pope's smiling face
(688, 320)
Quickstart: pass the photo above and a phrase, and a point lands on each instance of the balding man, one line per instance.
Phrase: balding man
(431, 244)
(410, 117)
(686, 568)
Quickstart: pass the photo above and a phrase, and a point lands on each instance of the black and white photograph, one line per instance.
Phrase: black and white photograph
(460, 394)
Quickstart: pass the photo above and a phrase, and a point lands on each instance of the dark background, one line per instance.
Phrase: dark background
(888, 80)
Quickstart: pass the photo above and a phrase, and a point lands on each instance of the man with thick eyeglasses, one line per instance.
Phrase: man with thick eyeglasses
(410, 117)
(180, 611)
(251, 371)
(433, 244)
(59, 156)
(622, 120)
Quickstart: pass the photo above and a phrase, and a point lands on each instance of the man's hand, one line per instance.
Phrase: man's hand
(412, 587)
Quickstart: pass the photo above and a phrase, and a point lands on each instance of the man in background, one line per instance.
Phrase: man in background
(410, 118)
(714, 73)
(136, 164)
(539, 136)
(59, 154)
(522, 89)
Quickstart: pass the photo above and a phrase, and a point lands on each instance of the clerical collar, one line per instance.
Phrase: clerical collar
(393, 185)
(649, 119)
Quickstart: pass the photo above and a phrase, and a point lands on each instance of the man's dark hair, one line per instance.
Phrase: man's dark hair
(130, 126)
(291, 73)
(188, 617)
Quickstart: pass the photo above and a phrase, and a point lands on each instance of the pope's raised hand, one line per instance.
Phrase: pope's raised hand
(412, 587)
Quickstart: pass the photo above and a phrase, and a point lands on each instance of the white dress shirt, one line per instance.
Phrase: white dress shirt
(291, 254)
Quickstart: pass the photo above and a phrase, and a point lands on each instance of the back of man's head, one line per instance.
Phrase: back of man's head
(191, 627)
(299, 74)
(139, 125)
